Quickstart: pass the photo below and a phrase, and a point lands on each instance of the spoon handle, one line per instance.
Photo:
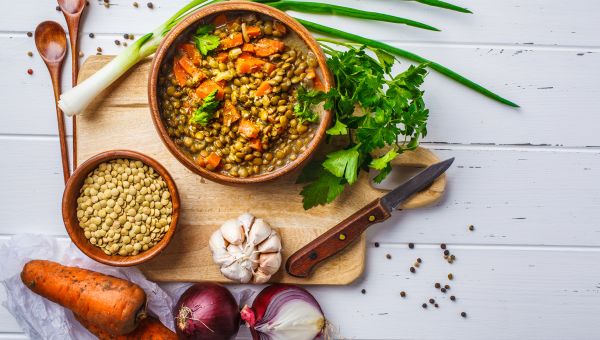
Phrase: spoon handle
(60, 117)
(73, 27)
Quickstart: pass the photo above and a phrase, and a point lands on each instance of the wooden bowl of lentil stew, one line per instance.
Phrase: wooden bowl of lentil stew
(223, 90)
(121, 208)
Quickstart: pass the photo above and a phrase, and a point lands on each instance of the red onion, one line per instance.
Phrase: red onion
(284, 312)
(207, 311)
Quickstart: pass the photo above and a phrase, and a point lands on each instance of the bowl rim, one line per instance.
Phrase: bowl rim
(192, 19)
(69, 209)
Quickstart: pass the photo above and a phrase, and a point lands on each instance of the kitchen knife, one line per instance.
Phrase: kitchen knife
(302, 262)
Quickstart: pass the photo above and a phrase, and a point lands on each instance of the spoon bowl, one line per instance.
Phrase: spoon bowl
(74, 7)
(51, 43)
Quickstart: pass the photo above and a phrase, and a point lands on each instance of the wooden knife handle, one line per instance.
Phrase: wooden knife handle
(302, 262)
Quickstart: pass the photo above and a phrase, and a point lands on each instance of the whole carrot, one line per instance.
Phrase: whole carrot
(148, 329)
(112, 304)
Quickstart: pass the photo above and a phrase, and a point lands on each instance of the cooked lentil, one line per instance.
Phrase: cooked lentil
(254, 130)
(124, 207)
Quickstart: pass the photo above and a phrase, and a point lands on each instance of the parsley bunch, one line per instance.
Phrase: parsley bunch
(206, 111)
(374, 109)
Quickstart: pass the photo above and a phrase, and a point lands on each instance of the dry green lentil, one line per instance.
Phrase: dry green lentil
(119, 220)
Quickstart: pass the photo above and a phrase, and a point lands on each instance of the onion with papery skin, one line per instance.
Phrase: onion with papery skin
(207, 311)
(284, 312)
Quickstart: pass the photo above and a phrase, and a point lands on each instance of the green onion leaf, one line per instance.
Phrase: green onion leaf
(323, 8)
(408, 55)
(443, 4)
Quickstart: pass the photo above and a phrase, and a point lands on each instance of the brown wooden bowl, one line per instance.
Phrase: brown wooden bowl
(69, 209)
(182, 28)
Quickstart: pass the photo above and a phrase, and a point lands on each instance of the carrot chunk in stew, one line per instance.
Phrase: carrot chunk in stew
(188, 65)
(233, 40)
(263, 88)
(209, 86)
(190, 51)
(265, 47)
(248, 129)
(180, 75)
(246, 63)
(230, 114)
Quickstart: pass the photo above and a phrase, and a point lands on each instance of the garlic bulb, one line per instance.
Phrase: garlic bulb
(246, 249)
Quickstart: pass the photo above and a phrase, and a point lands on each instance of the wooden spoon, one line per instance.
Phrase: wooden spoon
(51, 43)
(72, 10)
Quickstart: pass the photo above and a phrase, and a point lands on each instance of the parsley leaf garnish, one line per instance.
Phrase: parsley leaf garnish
(206, 42)
(206, 111)
(304, 106)
(374, 109)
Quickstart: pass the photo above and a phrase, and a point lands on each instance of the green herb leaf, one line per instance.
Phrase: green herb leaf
(383, 161)
(338, 128)
(306, 100)
(206, 42)
(385, 59)
(206, 111)
(205, 29)
(383, 173)
(344, 163)
(323, 190)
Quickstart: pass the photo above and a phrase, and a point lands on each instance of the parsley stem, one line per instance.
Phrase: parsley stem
(408, 55)
(322, 8)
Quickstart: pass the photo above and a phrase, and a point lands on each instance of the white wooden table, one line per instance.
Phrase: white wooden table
(528, 179)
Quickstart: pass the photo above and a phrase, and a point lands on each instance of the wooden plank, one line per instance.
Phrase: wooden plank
(538, 291)
(549, 22)
(457, 114)
(511, 195)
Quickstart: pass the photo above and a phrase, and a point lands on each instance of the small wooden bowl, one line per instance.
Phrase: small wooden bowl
(69, 209)
(182, 28)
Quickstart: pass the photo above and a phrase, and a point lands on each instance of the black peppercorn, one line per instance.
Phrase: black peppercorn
(125, 36)
(453, 298)
(463, 314)
(411, 245)
(419, 260)
(446, 252)
(412, 269)
(150, 5)
(443, 290)
(443, 246)
(447, 287)
(29, 34)
(471, 227)
(436, 305)
(437, 285)
(424, 305)
(57, 8)
(388, 256)
(376, 244)
(91, 35)
(403, 293)
(364, 291)
(432, 301)
(117, 42)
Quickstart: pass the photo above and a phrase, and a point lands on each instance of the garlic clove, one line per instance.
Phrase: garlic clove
(216, 241)
(259, 232)
(234, 250)
(246, 219)
(269, 263)
(235, 272)
(271, 244)
(260, 277)
(233, 232)
(254, 258)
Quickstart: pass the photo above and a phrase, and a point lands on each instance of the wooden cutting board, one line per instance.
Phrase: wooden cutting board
(120, 119)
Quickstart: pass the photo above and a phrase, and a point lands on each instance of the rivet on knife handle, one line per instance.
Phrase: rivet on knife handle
(302, 262)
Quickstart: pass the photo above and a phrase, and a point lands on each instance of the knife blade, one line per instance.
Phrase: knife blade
(303, 261)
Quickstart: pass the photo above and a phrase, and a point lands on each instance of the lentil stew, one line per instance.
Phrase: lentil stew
(227, 90)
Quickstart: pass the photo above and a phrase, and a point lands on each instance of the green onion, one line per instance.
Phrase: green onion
(443, 4)
(405, 54)
(321, 8)
(75, 100)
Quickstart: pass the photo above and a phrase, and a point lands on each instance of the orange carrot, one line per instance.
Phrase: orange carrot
(209, 86)
(230, 114)
(222, 57)
(220, 19)
(180, 75)
(233, 40)
(265, 47)
(255, 144)
(279, 27)
(190, 51)
(188, 65)
(246, 63)
(114, 305)
(269, 67)
(248, 129)
(213, 160)
(263, 88)
(252, 31)
(148, 329)
(248, 48)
